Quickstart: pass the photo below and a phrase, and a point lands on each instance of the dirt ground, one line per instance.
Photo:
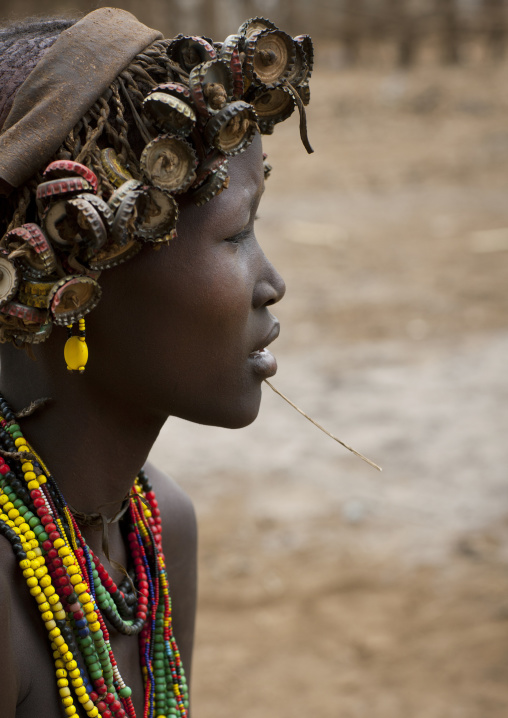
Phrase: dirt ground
(326, 588)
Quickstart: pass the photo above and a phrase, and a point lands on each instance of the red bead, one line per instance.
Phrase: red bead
(48, 546)
(93, 696)
(45, 517)
(107, 714)
(54, 535)
(67, 590)
(4, 469)
(115, 706)
(109, 698)
(53, 553)
(101, 706)
(2, 461)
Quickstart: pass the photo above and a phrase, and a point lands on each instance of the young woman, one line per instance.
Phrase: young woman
(131, 169)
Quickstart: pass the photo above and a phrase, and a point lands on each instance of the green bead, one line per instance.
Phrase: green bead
(43, 536)
(38, 530)
(12, 428)
(17, 435)
(33, 521)
(125, 692)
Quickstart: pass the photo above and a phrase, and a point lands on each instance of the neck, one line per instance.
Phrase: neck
(92, 442)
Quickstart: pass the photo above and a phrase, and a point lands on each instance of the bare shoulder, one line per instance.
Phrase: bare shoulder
(177, 512)
(179, 539)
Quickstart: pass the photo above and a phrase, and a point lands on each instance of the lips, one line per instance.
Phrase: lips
(263, 362)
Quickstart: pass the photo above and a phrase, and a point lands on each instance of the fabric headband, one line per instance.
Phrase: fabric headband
(73, 74)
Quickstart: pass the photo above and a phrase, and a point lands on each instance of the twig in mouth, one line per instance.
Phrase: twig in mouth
(300, 411)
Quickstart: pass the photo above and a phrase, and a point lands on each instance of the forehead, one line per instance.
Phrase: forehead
(246, 183)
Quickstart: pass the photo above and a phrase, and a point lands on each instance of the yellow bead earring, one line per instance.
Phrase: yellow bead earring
(76, 350)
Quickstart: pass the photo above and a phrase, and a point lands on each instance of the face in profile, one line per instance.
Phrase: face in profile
(183, 329)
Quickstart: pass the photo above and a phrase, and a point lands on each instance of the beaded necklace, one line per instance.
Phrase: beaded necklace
(75, 594)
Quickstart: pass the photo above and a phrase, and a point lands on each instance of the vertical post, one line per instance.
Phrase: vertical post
(449, 32)
(495, 27)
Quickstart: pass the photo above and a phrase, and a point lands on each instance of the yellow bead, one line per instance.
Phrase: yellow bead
(62, 682)
(30, 475)
(94, 627)
(41, 572)
(42, 479)
(41, 600)
(52, 597)
(34, 544)
(71, 665)
(32, 485)
(60, 615)
(45, 581)
(24, 563)
(55, 632)
(73, 570)
(61, 673)
(81, 691)
(67, 656)
(28, 572)
(67, 561)
(20, 441)
(23, 448)
(49, 622)
(88, 608)
(70, 711)
(67, 701)
(23, 527)
(75, 673)
(49, 590)
(91, 617)
(64, 691)
(27, 466)
(47, 615)
(60, 544)
(75, 353)
(29, 535)
(59, 641)
(75, 577)
(32, 581)
(77, 682)
(91, 710)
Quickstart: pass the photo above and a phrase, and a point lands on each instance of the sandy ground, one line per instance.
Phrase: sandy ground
(326, 588)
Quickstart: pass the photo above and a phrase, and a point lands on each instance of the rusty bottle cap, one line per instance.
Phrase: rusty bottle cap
(72, 298)
(273, 56)
(170, 113)
(38, 259)
(9, 278)
(60, 169)
(189, 51)
(232, 129)
(169, 163)
(211, 86)
(272, 106)
(115, 171)
(255, 24)
(65, 187)
(212, 186)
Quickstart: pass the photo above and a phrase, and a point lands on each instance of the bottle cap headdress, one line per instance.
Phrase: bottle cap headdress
(92, 205)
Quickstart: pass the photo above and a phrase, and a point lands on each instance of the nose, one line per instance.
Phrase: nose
(270, 287)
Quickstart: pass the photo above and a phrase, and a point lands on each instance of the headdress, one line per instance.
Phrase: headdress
(110, 127)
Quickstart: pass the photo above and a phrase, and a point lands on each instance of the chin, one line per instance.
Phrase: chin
(235, 414)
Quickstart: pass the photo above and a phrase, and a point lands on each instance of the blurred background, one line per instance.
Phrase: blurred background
(326, 588)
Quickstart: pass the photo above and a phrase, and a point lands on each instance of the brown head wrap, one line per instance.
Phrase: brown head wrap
(66, 82)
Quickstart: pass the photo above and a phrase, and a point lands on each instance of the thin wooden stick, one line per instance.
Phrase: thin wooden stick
(349, 448)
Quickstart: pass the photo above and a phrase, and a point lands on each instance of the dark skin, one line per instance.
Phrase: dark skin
(173, 335)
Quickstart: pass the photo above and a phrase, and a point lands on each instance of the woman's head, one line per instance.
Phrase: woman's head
(169, 131)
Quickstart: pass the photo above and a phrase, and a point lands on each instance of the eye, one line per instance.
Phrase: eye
(237, 238)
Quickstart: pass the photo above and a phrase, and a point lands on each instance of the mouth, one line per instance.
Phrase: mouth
(263, 362)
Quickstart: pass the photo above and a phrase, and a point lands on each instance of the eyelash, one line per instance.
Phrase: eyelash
(237, 238)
